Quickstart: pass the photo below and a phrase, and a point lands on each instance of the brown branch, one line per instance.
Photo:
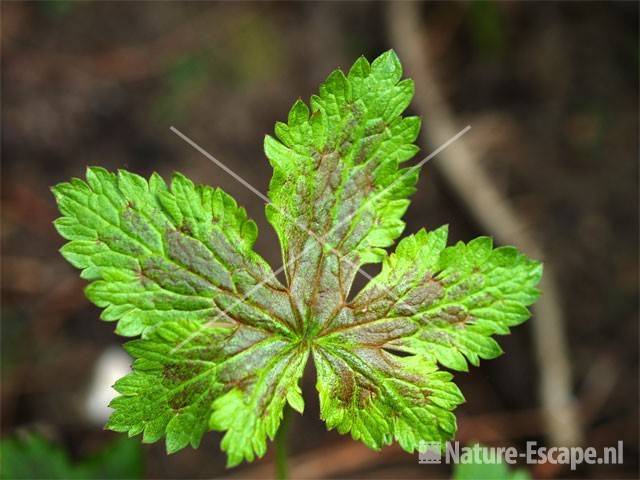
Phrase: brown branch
(493, 211)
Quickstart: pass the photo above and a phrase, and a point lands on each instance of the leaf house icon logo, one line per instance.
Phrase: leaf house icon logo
(429, 452)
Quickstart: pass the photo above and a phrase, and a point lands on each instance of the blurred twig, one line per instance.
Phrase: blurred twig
(492, 210)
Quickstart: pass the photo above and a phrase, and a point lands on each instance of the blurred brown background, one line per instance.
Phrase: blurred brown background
(550, 89)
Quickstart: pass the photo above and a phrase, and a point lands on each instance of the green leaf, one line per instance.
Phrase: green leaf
(378, 397)
(33, 457)
(223, 344)
(175, 263)
(448, 302)
(190, 377)
(336, 172)
(156, 253)
(436, 304)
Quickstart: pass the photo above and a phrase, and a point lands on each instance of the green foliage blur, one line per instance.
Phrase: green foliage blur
(33, 457)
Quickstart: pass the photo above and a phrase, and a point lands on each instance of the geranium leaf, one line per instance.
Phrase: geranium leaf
(223, 343)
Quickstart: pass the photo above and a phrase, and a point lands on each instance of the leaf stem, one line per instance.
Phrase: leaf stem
(281, 443)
